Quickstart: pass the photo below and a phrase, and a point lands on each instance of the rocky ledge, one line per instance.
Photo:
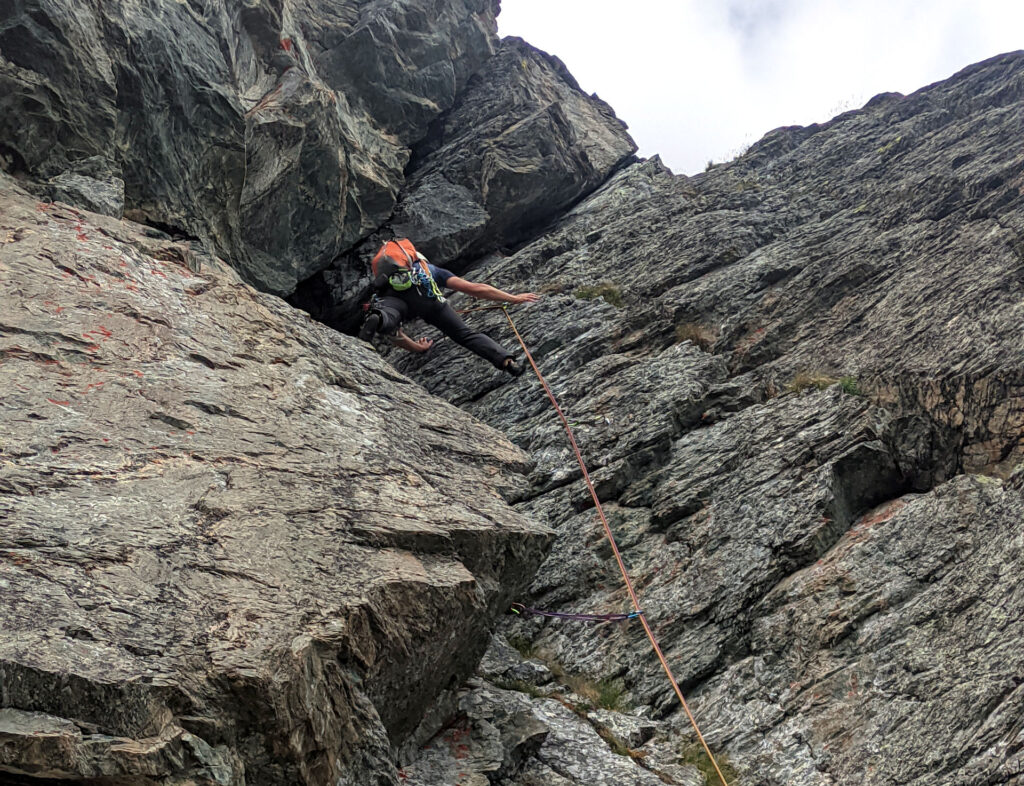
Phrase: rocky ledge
(237, 547)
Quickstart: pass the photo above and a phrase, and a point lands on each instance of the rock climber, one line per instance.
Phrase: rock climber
(406, 285)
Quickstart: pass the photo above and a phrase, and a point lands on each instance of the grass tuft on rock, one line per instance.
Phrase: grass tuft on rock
(608, 291)
(695, 755)
(697, 334)
(810, 380)
(617, 746)
(816, 380)
(849, 386)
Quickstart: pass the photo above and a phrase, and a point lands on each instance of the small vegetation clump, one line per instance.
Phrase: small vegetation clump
(886, 149)
(609, 292)
(617, 746)
(698, 334)
(849, 386)
(606, 693)
(806, 380)
(696, 756)
(524, 647)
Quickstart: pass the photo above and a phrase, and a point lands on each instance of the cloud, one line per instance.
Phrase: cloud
(698, 80)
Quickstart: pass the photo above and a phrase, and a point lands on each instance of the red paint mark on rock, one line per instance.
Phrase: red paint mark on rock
(58, 403)
(93, 348)
(286, 44)
(158, 273)
(884, 513)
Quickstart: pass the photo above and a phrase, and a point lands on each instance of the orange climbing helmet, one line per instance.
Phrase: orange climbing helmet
(401, 253)
(401, 266)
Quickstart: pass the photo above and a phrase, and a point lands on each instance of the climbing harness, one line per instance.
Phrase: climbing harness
(519, 608)
(615, 548)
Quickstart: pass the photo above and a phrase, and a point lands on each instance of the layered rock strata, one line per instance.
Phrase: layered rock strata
(237, 548)
(521, 144)
(274, 131)
(796, 379)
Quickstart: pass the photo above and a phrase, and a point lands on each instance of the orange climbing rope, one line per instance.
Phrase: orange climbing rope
(615, 548)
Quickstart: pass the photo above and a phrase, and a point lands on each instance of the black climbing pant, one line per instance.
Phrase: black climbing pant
(396, 308)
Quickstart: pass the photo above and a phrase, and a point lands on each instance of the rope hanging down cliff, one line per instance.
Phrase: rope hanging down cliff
(615, 548)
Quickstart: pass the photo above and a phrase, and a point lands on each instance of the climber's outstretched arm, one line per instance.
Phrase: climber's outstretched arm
(487, 292)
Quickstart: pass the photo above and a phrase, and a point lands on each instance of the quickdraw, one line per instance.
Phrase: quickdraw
(425, 281)
(519, 608)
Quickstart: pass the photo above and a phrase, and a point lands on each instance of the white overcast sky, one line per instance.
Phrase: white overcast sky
(699, 80)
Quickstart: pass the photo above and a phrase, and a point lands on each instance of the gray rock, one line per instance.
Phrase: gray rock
(276, 132)
(45, 746)
(237, 547)
(504, 737)
(501, 662)
(522, 143)
(828, 570)
(99, 196)
(631, 730)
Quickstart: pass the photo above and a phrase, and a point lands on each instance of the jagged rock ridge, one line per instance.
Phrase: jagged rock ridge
(520, 145)
(831, 572)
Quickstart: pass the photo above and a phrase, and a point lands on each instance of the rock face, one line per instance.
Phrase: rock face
(237, 548)
(275, 131)
(796, 379)
(521, 144)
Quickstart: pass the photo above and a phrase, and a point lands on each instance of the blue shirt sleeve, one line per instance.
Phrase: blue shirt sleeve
(440, 275)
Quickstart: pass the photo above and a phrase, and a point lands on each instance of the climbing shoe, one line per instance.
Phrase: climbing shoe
(513, 367)
(369, 328)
